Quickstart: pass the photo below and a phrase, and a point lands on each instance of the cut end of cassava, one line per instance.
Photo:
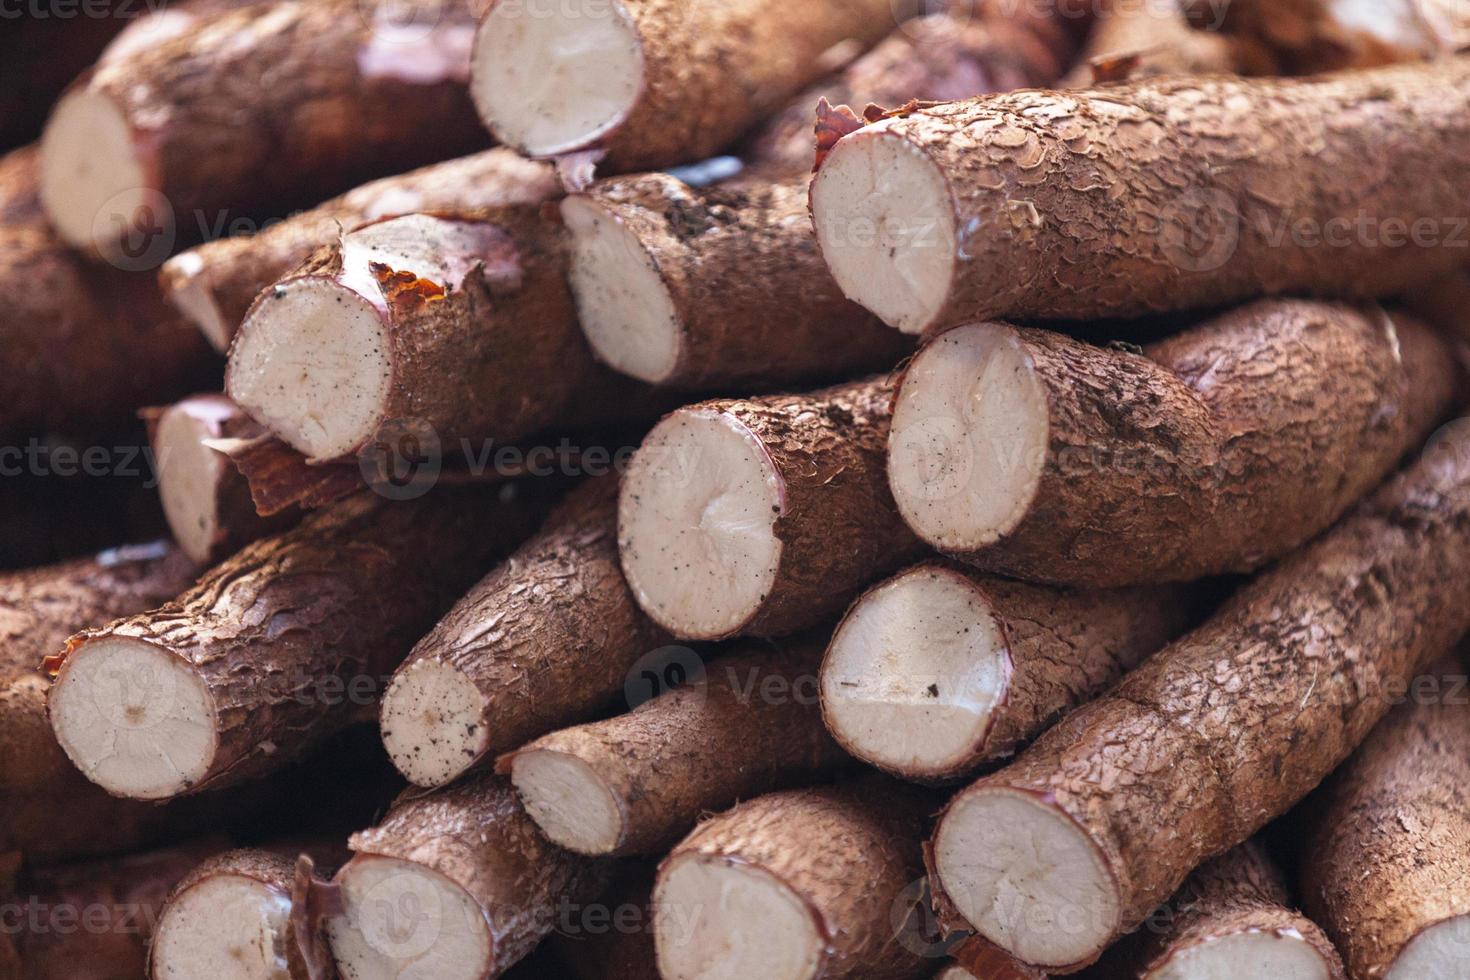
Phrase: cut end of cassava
(696, 524)
(189, 290)
(134, 718)
(718, 920)
(434, 722)
(404, 921)
(624, 306)
(93, 183)
(968, 446)
(1441, 952)
(188, 474)
(1026, 877)
(571, 804)
(225, 927)
(311, 364)
(1280, 956)
(554, 78)
(885, 221)
(914, 673)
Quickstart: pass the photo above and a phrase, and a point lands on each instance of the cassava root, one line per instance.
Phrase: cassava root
(1215, 735)
(213, 284)
(636, 783)
(274, 649)
(799, 885)
(545, 640)
(485, 885)
(940, 669)
(1385, 867)
(1216, 450)
(761, 516)
(1150, 196)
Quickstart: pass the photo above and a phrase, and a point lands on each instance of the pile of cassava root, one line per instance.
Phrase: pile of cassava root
(735, 490)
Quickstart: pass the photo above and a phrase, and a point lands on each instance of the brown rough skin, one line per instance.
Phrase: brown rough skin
(1180, 193)
(994, 48)
(283, 104)
(712, 70)
(1221, 448)
(748, 285)
(838, 526)
(476, 834)
(39, 609)
(277, 869)
(228, 273)
(617, 945)
(549, 636)
(339, 598)
(84, 345)
(1240, 892)
(1175, 766)
(1388, 836)
(1065, 646)
(704, 746)
(237, 522)
(93, 921)
(851, 852)
(497, 355)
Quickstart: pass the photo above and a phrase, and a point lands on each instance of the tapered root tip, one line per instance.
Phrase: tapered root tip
(1284, 956)
(622, 301)
(554, 78)
(717, 920)
(696, 524)
(311, 364)
(189, 474)
(913, 675)
(1026, 877)
(93, 184)
(404, 921)
(1441, 952)
(134, 718)
(968, 444)
(571, 804)
(435, 722)
(225, 927)
(885, 222)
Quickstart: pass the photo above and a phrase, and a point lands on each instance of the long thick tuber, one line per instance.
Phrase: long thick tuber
(214, 284)
(1233, 917)
(939, 670)
(275, 648)
(714, 287)
(1157, 195)
(669, 83)
(636, 783)
(275, 105)
(1216, 450)
(39, 609)
(761, 516)
(799, 885)
(1070, 846)
(1386, 867)
(543, 641)
(483, 884)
